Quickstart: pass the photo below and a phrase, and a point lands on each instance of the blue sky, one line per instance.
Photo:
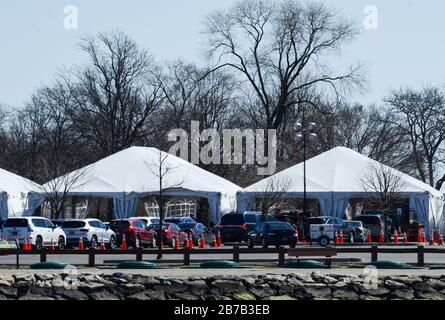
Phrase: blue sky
(407, 49)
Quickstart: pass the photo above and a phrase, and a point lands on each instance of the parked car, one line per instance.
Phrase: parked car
(253, 218)
(40, 232)
(338, 224)
(373, 223)
(355, 231)
(58, 222)
(136, 232)
(148, 220)
(177, 220)
(170, 232)
(272, 233)
(195, 230)
(233, 227)
(92, 231)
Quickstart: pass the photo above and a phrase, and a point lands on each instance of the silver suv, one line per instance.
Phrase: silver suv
(92, 232)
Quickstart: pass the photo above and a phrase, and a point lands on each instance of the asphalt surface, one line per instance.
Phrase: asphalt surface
(246, 259)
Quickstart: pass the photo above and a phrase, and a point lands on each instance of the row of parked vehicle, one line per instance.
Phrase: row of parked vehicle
(138, 231)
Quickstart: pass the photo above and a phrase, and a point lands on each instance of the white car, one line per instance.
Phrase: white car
(92, 231)
(39, 231)
(322, 233)
(148, 220)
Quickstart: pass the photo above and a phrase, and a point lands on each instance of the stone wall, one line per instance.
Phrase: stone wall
(123, 286)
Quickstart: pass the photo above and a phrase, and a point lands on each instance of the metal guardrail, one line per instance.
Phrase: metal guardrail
(235, 251)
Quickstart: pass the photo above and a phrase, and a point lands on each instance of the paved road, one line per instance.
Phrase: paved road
(245, 258)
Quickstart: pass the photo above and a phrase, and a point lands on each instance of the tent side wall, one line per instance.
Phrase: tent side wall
(3, 205)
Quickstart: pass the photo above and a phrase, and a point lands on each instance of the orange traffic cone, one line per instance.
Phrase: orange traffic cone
(81, 247)
(336, 239)
(396, 237)
(381, 237)
(218, 239)
(342, 240)
(124, 243)
(28, 244)
(439, 238)
(405, 238)
(368, 238)
(25, 243)
(213, 242)
(202, 242)
(190, 241)
(176, 246)
(423, 236)
(52, 248)
(419, 236)
(431, 242)
(102, 245)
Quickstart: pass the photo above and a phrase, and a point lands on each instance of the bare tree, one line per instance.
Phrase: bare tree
(272, 195)
(115, 94)
(383, 185)
(279, 49)
(421, 114)
(163, 170)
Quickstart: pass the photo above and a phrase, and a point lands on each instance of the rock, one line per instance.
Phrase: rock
(147, 282)
(329, 280)
(88, 287)
(122, 275)
(410, 279)
(24, 277)
(23, 284)
(217, 297)
(283, 297)
(436, 284)
(249, 281)
(379, 291)
(119, 280)
(285, 289)
(5, 283)
(155, 295)
(103, 295)
(244, 296)
(74, 295)
(229, 285)
(34, 297)
(392, 284)
(58, 283)
(319, 293)
(340, 285)
(274, 277)
(185, 296)
(345, 295)
(7, 278)
(262, 290)
(405, 294)
(366, 297)
(2, 297)
(41, 291)
(10, 292)
(431, 296)
(44, 276)
(315, 285)
(423, 287)
(132, 286)
(138, 296)
(170, 288)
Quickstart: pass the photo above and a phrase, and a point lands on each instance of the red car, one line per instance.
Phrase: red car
(170, 231)
(136, 232)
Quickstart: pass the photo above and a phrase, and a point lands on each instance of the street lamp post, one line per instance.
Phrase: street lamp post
(305, 133)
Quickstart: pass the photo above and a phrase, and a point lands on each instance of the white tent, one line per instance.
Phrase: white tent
(132, 173)
(14, 194)
(336, 176)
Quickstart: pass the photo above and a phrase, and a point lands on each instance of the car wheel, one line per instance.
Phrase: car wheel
(323, 241)
(137, 242)
(264, 243)
(153, 242)
(112, 243)
(39, 243)
(61, 243)
(250, 243)
(351, 237)
(93, 242)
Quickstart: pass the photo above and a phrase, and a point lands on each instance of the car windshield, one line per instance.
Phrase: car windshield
(184, 226)
(369, 219)
(356, 224)
(16, 223)
(278, 226)
(232, 219)
(155, 226)
(250, 218)
(316, 220)
(119, 224)
(73, 224)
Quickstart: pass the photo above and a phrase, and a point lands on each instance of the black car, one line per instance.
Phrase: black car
(196, 229)
(253, 218)
(272, 233)
(233, 228)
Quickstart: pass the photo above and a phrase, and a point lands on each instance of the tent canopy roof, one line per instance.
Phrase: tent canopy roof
(338, 170)
(14, 184)
(136, 170)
